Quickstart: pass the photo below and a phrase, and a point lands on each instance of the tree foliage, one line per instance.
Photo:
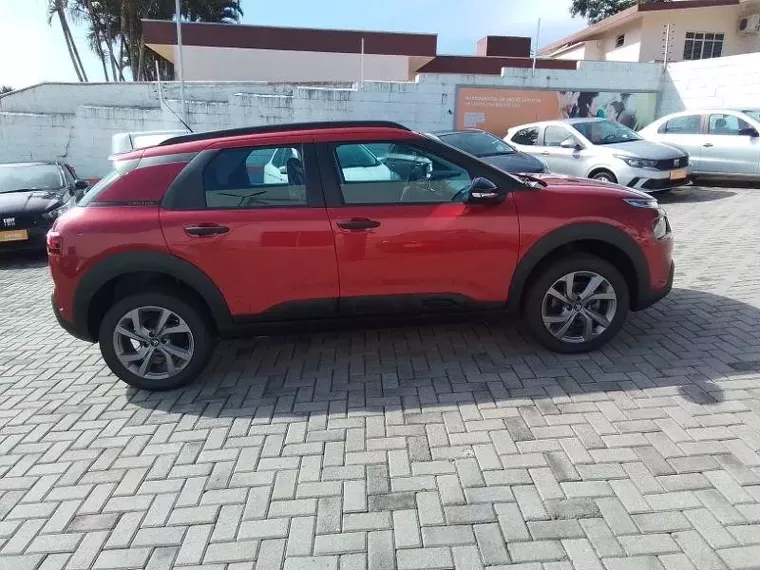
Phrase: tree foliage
(114, 31)
(596, 10)
(5, 89)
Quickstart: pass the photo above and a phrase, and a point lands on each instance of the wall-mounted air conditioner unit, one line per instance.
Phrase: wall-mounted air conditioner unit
(749, 24)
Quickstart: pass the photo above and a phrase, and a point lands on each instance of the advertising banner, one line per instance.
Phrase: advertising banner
(496, 109)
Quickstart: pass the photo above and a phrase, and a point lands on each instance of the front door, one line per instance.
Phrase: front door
(265, 241)
(562, 159)
(405, 239)
(726, 150)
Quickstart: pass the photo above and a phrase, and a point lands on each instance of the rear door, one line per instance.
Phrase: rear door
(267, 244)
(726, 150)
(685, 132)
(406, 240)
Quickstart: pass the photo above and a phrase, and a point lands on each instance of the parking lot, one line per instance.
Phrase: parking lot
(449, 446)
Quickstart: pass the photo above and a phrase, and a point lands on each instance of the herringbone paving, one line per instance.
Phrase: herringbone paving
(450, 446)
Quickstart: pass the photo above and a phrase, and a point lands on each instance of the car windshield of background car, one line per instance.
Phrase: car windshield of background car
(754, 113)
(606, 132)
(478, 144)
(14, 178)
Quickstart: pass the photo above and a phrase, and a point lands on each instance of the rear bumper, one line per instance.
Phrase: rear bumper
(78, 330)
(654, 295)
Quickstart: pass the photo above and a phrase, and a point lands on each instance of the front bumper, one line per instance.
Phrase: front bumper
(35, 241)
(650, 180)
(654, 295)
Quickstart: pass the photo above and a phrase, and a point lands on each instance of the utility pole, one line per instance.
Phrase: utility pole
(535, 49)
(180, 69)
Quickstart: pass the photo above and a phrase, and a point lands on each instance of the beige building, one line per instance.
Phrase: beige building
(699, 29)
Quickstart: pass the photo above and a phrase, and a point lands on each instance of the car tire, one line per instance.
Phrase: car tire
(178, 355)
(544, 314)
(604, 176)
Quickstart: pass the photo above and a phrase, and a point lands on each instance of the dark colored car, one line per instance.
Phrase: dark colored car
(32, 196)
(182, 244)
(492, 150)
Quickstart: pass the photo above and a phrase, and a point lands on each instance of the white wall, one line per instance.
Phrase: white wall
(76, 122)
(238, 64)
(711, 83)
(631, 48)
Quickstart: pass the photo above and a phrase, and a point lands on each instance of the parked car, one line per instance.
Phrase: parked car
(32, 196)
(721, 143)
(603, 150)
(492, 150)
(126, 142)
(157, 260)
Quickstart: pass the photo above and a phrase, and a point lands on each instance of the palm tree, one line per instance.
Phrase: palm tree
(59, 8)
(115, 29)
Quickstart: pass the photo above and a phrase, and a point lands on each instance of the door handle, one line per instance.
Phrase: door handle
(358, 224)
(545, 153)
(708, 145)
(206, 230)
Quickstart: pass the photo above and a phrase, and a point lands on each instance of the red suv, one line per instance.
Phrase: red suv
(209, 234)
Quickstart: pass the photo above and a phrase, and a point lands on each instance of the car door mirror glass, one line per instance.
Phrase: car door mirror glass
(81, 185)
(484, 191)
(570, 142)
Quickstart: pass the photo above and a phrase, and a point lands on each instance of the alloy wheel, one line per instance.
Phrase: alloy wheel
(154, 343)
(579, 306)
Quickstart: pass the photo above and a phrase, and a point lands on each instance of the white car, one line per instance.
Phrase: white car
(125, 142)
(359, 165)
(721, 143)
(602, 150)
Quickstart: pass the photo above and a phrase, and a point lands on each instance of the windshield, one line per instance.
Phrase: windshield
(477, 143)
(606, 132)
(14, 177)
(754, 113)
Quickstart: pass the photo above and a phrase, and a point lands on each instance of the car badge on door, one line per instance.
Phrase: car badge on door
(9, 222)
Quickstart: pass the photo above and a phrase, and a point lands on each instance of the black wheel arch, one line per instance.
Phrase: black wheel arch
(100, 281)
(602, 240)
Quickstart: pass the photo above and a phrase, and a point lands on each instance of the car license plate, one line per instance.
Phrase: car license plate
(15, 235)
(678, 174)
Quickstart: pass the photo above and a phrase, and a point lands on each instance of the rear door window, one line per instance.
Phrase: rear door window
(528, 136)
(686, 125)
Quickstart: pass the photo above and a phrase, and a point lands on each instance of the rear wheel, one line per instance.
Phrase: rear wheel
(604, 176)
(155, 341)
(576, 304)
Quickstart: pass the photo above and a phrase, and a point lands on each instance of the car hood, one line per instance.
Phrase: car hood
(644, 149)
(587, 186)
(514, 163)
(29, 202)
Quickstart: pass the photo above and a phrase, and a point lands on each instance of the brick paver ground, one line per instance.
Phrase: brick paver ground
(455, 446)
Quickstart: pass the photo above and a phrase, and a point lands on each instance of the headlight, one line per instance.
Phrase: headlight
(660, 226)
(638, 162)
(55, 212)
(647, 202)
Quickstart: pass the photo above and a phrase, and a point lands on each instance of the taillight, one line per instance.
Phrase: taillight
(54, 243)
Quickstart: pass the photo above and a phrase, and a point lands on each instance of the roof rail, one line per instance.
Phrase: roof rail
(278, 128)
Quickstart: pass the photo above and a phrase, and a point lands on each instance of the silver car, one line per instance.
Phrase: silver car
(721, 143)
(602, 150)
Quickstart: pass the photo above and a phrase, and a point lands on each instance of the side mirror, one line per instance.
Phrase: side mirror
(570, 142)
(81, 185)
(283, 170)
(483, 191)
(748, 132)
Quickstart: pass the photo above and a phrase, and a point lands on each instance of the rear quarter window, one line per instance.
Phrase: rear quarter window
(120, 168)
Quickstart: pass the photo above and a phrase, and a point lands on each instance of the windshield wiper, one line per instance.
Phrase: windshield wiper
(494, 154)
(29, 190)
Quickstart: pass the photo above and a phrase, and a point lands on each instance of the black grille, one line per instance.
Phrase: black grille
(671, 163)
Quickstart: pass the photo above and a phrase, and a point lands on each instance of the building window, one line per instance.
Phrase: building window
(619, 41)
(701, 45)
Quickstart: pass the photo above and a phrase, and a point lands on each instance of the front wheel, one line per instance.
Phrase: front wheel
(576, 304)
(155, 341)
(605, 176)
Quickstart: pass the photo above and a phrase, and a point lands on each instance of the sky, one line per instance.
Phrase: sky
(31, 51)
